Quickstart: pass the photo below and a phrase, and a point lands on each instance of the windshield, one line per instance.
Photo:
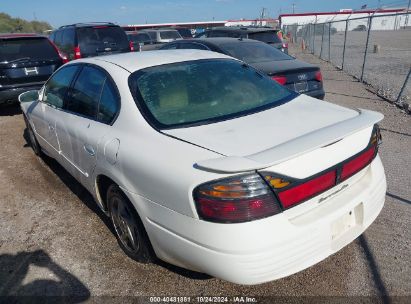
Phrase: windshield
(267, 37)
(169, 35)
(26, 49)
(203, 91)
(254, 52)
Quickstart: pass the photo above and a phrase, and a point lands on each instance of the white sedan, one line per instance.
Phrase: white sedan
(206, 163)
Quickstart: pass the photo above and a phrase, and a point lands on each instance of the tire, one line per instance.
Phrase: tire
(129, 230)
(32, 138)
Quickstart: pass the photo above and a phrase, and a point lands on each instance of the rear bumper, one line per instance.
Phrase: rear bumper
(9, 95)
(267, 249)
(319, 94)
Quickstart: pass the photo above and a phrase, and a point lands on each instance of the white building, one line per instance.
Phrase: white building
(387, 19)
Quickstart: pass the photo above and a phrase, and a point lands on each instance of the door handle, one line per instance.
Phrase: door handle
(89, 149)
(51, 127)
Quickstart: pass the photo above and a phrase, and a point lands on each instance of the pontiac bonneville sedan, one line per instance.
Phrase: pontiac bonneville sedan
(206, 163)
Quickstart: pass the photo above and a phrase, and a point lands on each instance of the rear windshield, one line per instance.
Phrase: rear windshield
(95, 38)
(203, 91)
(254, 52)
(170, 35)
(26, 49)
(139, 37)
(267, 37)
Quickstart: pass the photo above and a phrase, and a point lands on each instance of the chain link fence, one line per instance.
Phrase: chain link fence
(375, 49)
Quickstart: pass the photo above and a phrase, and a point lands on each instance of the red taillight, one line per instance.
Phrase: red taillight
(77, 53)
(318, 76)
(285, 45)
(358, 163)
(307, 190)
(131, 46)
(280, 79)
(236, 199)
(61, 55)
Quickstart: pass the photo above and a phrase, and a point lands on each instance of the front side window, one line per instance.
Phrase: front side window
(203, 91)
(85, 94)
(55, 89)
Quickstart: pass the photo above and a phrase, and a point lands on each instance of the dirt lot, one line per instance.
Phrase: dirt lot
(54, 241)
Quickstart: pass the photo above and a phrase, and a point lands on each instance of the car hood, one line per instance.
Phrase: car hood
(271, 67)
(254, 133)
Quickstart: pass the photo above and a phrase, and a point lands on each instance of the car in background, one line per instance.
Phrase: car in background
(208, 164)
(265, 34)
(26, 62)
(185, 32)
(141, 41)
(296, 75)
(82, 40)
(162, 35)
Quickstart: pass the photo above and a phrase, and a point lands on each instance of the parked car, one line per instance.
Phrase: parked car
(208, 164)
(296, 75)
(26, 62)
(141, 41)
(265, 34)
(185, 32)
(162, 35)
(82, 40)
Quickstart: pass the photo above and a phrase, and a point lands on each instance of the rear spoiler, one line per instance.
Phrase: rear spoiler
(293, 148)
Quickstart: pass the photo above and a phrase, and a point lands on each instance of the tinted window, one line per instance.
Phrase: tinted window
(51, 37)
(153, 35)
(58, 38)
(186, 33)
(267, 37)
(29, 48)
(137, 38)
(99, 38)
(251, 52)
(68, 37)
(109, 103)
(169, 35)
(206, 90)
(56, 88)
(85, 95)
(196, 46)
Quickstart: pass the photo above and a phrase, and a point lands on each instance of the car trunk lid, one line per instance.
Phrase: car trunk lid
(273, 136)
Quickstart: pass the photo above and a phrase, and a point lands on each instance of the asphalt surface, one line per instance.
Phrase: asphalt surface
(54, 241)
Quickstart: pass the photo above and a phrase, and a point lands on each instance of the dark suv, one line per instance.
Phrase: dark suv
(91, 39)
(264, 34)
(26, 62)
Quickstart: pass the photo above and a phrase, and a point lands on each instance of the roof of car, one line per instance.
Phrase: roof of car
(88, 24)
(219, 40)
(134, 61)
(20, 35)
(243, 29)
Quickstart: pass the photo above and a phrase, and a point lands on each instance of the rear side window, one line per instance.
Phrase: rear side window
(267, 37)
(109, 103)
(68, 37)
(58, 38)
(85, 94)
(26, 48)
(170, 35)
(56, 88)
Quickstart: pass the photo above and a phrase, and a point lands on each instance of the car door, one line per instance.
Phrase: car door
(43, 114)
(91, 105)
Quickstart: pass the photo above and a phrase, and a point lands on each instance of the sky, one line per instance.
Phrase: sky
(124, 12)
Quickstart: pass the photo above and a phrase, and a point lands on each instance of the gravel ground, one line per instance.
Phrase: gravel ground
(54, 241)
(385, 70)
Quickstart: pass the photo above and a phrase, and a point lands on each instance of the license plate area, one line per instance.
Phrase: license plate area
(301, 86)
(347, 222)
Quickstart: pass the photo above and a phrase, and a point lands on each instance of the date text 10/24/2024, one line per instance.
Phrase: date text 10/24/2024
(203, 299)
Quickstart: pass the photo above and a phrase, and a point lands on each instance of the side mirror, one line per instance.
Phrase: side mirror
(29, 96)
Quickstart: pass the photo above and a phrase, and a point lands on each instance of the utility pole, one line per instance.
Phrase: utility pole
(293, 8)
(408, 12)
